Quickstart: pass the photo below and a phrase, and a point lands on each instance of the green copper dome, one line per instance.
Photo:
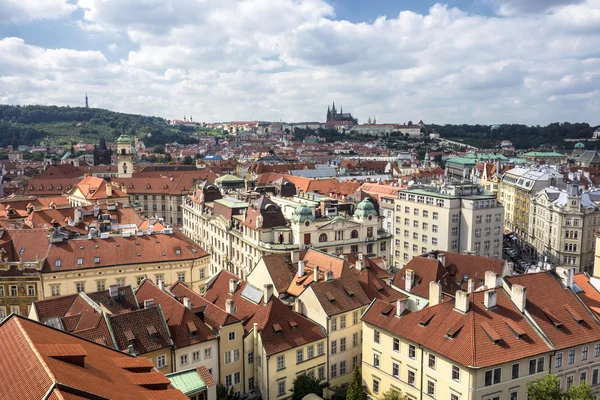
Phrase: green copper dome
(364, 209)
(580, 145)
(302, 213)
(124, 139)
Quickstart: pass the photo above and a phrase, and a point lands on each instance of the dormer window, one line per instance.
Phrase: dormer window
(22, 251)
(57, 263)
(79, 261)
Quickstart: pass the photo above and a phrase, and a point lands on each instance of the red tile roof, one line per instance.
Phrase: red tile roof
(40, 352)
(464, 338)
(551, 305)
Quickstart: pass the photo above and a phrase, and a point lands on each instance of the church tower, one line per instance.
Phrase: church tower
(328, 115)
(86, 101)
(125, 155)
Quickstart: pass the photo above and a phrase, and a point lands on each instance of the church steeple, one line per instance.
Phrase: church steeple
(86, 101)
(328, 114)
(369, 121)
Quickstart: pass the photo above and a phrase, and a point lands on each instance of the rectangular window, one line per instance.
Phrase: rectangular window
(320, 348)
(595, 379)
(455, 373)
(597, 350)
(30, 290)
(13, 291)
(571, 356)
(321, 373)
(431, 388)
(183, 359)
(558, 360)
(396, 370)
(396, 345)
(411, 351)
(334, 347)
(343, 321)
(411, 378)
(515, 371)
(310, 352)
(492, 376)
(540, 364)
(280, 362)
(181, 276)
(582, 377)
(280, 388)
(208, 353)
(80, 287)
(299, 356)
(161, 361)
(355, 317)
(584, 353)
(570, 380)
(333, 371)
(231, 336)
(355, 339)
(343, 344)
(342, 368)
(333, 324)
(376, 359)
(196, 356)
(55, 290)
(376, 335)
(375, 386)
(431, 361)
(532, 365)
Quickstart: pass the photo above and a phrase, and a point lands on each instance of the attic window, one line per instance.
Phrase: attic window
(192, 329)
(515, 329)
(426, 319)
(388, 308)
(552, 318)
(137, 243)
(138, 254)
(156, 241)
(454, 330)
(277, 328)
(79, 261)
(164, 254)
(117, 244)
(22, 250)
(194, 250)
(96, 260)
(576, 316)
(57, 263)
(129, 335)
(491, 332)
(349, 291)
(151, 330)
(293, 325)
(95, 246)
(178, 251)
(330, 297)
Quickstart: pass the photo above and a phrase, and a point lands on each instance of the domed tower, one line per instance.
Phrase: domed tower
(365, 210)
(125, 156)
(303, 213)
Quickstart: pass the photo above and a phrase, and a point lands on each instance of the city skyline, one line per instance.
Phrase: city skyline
(483, 61)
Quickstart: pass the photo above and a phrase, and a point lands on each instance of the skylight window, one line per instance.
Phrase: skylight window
(178, 252)
(79, 261)
(22, 250)
(96, 260)
(57, 263)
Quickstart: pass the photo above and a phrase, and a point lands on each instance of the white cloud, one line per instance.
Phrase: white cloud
(28, 10)
(112, 47)
(288, 59)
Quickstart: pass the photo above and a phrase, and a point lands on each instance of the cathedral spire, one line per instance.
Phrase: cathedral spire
(369, 121)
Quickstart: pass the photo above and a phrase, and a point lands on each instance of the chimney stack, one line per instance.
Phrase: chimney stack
(161, 285)
(489, 299)
(470, 286)
(108, 189)
(300, 268)
(148, 303)
(570, 277)
(316, 273)
(461, 301)
(409, 279)
(490, 280)
(518, 295)
(401, 306)
(232, 286)
(187, 303)
(230, 307)
(360, 262)
(268, 292)
(435, 293)
(298, 306)
(294, 256)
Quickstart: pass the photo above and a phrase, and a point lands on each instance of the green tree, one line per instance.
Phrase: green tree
(158, 149)
(198, 156)
(168, 158)
(394, 395)
(305, 384)
(226, 393)
(355, 389)
(582, 391)
(188, 160)
(546, 388)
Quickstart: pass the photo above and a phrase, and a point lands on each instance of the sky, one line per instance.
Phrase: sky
(459, 61)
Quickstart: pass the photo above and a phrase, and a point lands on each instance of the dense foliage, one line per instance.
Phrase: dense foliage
(304, 385)
(54, 125)
(355, 388)
(548, 388)
(522, 136)
(226, 393)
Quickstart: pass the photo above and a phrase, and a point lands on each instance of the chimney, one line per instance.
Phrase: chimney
(294, 256)
(401, 306)
(329, 276)
(570, 276)
(148, 303)
(77, 214)
(108, 189)
(300, 268)
(187, 303)
(489, 299)
(316, 273)
(298, 306)
(470, 286)
(435, 293)
(461, 301)
(161, 285)
(268, 292)
(442, 258)
(232, 286)
(518, 294)
(490, 280)
(360, 262)
(130, 350)
(113, 291)
(409, 279)
(230, 307)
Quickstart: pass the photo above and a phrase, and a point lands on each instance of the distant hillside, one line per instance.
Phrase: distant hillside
(52, 125)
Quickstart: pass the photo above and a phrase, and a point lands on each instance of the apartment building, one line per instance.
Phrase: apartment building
(562, 224)
(79, 265)
(238, 233)
(516, 189)
(194, 342)
(72, 367)
(278, 342)
(457, 218)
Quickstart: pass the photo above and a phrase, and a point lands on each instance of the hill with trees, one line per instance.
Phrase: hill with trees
(53, 125)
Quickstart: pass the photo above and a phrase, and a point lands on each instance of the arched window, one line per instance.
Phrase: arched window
(322, 237)
(354, 234)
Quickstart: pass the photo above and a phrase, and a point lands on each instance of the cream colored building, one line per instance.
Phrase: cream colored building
(457, 218)
(79, 265)
(238, 233)
(562, 224)
(515, 191)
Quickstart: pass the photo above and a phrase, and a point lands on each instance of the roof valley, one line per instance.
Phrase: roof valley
(36, 352)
